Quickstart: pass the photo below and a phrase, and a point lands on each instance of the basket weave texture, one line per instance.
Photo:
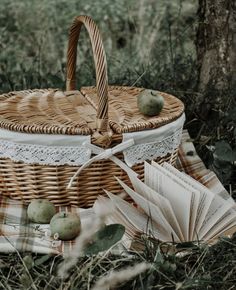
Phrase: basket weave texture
(73, 112)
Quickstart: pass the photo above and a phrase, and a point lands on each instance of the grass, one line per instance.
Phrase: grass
(150, 44)
(200, 267)
(134, 34)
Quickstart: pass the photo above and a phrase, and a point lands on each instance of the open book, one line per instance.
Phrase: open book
(170, 206)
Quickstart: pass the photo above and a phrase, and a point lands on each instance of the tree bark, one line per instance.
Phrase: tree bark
(216, 51)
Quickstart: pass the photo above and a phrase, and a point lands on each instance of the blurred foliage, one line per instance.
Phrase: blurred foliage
(148, 42)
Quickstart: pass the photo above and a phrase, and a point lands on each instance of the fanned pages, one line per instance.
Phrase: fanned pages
(178, 196)
(153, 212)
(157, 199)
(200, 200)
(214, 208)
(171, 206)
(153, 179)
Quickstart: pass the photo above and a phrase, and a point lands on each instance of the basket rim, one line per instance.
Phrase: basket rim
(89, 94)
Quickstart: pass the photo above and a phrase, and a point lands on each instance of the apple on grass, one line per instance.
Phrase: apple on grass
(66, 224)
(41, 211)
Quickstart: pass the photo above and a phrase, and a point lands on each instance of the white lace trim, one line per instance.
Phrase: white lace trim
(71, 155)
(149, 151)
(74, 150)
(44, 155)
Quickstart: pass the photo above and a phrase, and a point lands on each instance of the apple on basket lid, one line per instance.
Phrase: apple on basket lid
(150, 102)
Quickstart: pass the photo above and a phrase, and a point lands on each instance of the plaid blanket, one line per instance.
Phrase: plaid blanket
(17, 234)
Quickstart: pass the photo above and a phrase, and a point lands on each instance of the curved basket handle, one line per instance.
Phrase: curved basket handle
(100, 66)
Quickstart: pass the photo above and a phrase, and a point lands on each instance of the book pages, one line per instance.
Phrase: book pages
(157, 199)
(153, 212)
(131, 232)
(221, 225)
(180, 198)
(216, 187)
(229, 229)
(206, 196)
(222, 204)
(170, 206)
(151, 179)
(218, 209)
(138, 219)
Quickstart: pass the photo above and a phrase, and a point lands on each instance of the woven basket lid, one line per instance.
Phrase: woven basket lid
(83, 112)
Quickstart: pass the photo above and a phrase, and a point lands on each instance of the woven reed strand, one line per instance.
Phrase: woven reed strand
(25, 182)
(100, 66)
(73, 113)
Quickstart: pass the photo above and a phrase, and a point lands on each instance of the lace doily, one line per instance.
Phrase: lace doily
(149, 151)
(44, 155)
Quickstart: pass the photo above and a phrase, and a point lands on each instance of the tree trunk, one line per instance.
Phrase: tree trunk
(216, 51)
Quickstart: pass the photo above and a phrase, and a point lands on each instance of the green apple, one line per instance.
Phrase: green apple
(150, 102)
(41, 211)
(66, 224)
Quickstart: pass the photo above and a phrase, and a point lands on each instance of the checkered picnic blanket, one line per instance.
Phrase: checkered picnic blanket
(16, 233)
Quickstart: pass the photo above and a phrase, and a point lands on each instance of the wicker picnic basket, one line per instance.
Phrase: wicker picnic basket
(47, 135)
